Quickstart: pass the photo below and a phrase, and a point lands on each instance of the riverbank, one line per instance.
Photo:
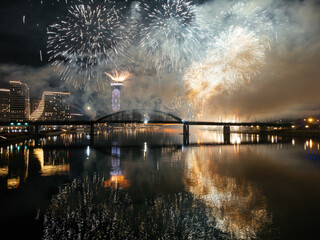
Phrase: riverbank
(9, 138)
(287, 133)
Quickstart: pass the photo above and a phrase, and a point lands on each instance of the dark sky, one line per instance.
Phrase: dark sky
(20, 43)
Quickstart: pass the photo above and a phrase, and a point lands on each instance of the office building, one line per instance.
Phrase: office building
(19, 101)
(53, 106)
(4, 104)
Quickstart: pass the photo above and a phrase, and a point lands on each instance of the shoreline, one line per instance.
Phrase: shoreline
(15, 138)
(295, 133)
(25, 136)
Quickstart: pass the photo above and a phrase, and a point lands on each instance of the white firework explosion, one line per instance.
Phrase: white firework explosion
(170, 36)
(86, 41)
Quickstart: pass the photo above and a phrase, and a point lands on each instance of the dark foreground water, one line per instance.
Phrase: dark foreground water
(144, 184)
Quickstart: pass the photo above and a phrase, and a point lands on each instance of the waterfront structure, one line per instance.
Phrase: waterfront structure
(52, 106)
(117, 83)
(4, 104)
(116, 87)
(19, 100)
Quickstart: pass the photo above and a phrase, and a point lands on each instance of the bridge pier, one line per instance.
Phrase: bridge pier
(37, 129)
(264, 134)
(185, 134)
(263, 130)
(226, 134)
(36, 133)
(91, 134)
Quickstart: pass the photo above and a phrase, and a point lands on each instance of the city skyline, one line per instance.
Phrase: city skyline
(16, 104)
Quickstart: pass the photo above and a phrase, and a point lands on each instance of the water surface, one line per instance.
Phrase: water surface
(145, 184)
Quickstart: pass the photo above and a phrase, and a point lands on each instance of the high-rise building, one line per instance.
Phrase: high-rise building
(19, 100)
(35, 104)
(4, 104)
(53, 106)
(116, 95)
(56, 106)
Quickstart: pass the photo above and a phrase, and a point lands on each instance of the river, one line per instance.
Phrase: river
(145, 184)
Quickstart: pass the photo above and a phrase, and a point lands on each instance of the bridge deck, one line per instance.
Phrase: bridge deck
(191, 123)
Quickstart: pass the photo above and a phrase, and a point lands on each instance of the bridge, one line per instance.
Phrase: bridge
(147, 116)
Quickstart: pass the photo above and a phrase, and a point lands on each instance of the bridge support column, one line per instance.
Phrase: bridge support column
(264, 134)
(185, 134)
(92, 134)
(36, 134)
(263, 130)
(37, 129)
(226, 134)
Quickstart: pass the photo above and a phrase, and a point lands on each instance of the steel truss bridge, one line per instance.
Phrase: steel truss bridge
(146, 116)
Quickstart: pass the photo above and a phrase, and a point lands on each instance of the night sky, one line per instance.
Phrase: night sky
(20, 43)
(289, 84)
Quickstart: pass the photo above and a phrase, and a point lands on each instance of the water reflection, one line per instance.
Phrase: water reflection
(133, 188)
(51, 162)
(15, 163)
(117, 179)
(215, 204)
(86, 209)
(238, 206)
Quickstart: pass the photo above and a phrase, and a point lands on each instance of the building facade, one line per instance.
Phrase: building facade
(19, 100)
(4, 104)
(53, 106)
(56, 106)
(116, 87)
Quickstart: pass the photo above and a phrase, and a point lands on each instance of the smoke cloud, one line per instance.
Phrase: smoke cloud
(289, 84)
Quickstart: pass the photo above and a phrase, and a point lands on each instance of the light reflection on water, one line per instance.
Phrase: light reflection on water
(237, 205)
(148, 185)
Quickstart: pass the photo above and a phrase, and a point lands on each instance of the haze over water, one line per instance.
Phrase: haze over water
(145, 184)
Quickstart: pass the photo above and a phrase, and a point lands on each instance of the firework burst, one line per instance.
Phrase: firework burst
(240, 37)
(170, 36)
(247, 15)
(85, 41)
(237, 56)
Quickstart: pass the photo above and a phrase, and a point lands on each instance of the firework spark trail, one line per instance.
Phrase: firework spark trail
(85, 41)
(235, 55)
(118, 76)
(170, 36)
